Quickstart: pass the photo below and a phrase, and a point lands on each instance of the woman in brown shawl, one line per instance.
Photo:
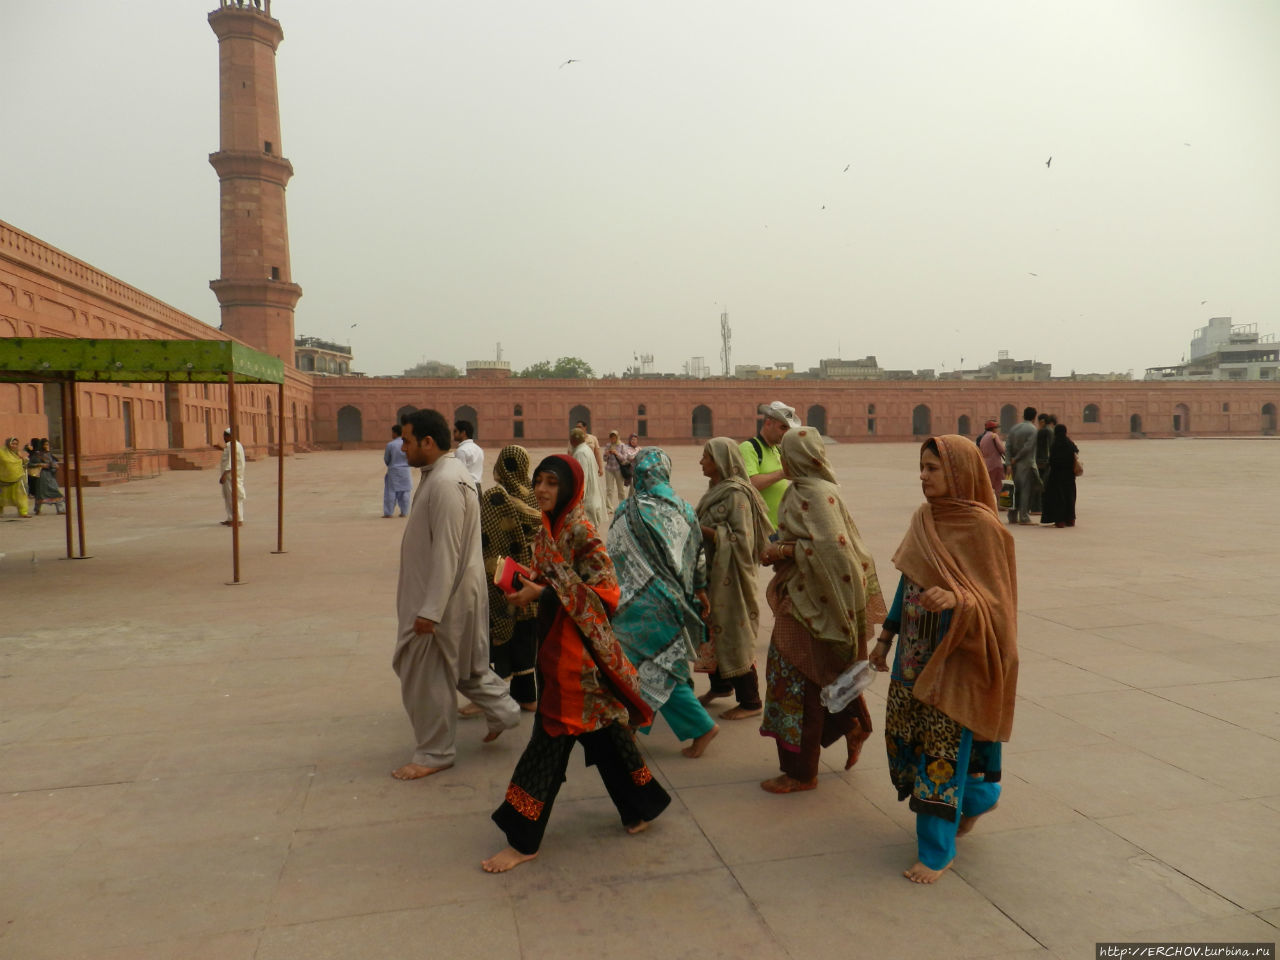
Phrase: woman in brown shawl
(735, 528)
(955, 673)
(826, 599)
(509, 522)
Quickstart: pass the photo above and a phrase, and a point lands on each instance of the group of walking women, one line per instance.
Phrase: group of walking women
(619, 629)
(29, 475)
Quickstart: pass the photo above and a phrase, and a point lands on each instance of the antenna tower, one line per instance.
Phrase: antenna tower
(726, 344)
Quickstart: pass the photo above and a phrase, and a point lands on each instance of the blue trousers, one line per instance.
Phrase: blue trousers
(687, 717)
(935, 837)
(392, 497)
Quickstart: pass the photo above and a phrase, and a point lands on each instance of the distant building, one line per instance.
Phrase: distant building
(488, 369)
(753, 371)
(1004, 368)
(322, 357)
(1226, 351)
(836, 369)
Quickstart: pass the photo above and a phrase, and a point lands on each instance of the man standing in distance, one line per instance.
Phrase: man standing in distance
(1020, 446)
(225, 479)
(442, 604)
(764, 459)
(468, 451)
(398, 482)
(594, 443)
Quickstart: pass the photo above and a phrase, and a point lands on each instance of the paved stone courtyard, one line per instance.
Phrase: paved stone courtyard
(192, 771)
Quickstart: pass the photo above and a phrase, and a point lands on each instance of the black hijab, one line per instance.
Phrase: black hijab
(559, 464)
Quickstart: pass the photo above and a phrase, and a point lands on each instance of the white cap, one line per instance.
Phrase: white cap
(780, 411)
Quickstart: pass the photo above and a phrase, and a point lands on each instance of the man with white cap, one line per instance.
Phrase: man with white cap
(228, 450)
(764, 459)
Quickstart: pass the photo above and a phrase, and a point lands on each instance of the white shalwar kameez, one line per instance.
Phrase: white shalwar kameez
(442, 579)
(226, 480)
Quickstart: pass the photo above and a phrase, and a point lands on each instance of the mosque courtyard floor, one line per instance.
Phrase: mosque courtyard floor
(194, 771)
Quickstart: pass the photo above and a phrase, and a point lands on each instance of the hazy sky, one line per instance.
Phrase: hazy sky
(456, 187)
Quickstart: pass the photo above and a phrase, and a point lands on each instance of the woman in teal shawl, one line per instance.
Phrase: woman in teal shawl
(656, 546)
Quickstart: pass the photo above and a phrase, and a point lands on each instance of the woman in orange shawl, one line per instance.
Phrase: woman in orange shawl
(955, 673)
(589, 691)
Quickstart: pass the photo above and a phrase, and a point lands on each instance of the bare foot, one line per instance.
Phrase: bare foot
(741, 713)
(469, 711)
(699, 745)
(710, 695)
(491, 736)
(968, 823)
(640, 826)
(506, 859)
(919, 873)
(416, 771)
(529, 707)
(787, 784)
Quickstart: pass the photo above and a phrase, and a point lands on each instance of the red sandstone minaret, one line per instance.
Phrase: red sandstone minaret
(256, 290)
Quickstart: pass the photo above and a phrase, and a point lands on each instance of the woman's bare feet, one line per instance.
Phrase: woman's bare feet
(506, 859)
(968, 823)
(741, 713)
(699, 745)
(711, 695)
(491, 736)
(640, 826)
(919, 873)
(529, 707)
(416, 771)
(787, 784)
(469, 711)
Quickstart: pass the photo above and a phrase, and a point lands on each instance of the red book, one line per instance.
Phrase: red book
(508, 575)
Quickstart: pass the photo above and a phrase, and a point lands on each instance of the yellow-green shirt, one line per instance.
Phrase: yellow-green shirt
(768, 460)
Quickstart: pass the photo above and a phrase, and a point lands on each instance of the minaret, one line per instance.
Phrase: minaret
(256, 289)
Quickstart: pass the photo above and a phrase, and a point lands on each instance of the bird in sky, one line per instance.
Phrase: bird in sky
(1203, 302)
(566, 63)
(1049, 161)
(354, 325)
(1030, 274)
(846, 168)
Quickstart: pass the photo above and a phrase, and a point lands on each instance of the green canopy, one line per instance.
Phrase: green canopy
(27, 359)
(72, 360)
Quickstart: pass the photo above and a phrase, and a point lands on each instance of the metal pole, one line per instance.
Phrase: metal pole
(280, 477)
(66, 387)
(75, 423)
(235, 478)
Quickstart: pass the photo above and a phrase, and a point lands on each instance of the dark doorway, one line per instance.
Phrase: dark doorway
(963, 425)
(579, 412)
(1135, 425)
(350, 425)
(817, 418)
(1269, 419)
(126, 415)
(921, 421)
(702, 422)
(468, 413)
(53, 413)
(1008, 417)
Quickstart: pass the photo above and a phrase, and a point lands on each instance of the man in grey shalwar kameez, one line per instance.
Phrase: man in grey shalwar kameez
(442, 604)
(1020, 448)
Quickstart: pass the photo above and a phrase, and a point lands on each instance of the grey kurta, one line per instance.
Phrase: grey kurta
(442, 579)
(1020, 448)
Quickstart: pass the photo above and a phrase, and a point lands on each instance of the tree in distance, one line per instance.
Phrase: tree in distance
(566, 368)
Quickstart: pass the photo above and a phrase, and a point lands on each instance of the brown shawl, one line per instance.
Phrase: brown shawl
(733, 508)
(509, 521)
(958, 543)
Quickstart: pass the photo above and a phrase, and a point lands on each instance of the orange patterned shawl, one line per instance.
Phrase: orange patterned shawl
(588, 682)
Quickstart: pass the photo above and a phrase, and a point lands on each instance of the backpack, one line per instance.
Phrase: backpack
(759, 449)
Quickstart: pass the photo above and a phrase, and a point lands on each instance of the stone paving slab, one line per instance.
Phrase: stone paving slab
(197, 771)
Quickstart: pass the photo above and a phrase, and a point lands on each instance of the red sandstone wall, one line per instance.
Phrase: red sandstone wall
(669, 406)
(46, 293)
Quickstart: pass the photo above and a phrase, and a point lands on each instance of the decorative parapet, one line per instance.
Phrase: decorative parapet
(25, 250)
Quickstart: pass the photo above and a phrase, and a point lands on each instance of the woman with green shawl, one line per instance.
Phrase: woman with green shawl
(13, 478)
(825, 598)
(656, 546)
(735, 528)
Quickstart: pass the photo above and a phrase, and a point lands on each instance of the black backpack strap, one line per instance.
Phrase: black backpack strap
(759, 449)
